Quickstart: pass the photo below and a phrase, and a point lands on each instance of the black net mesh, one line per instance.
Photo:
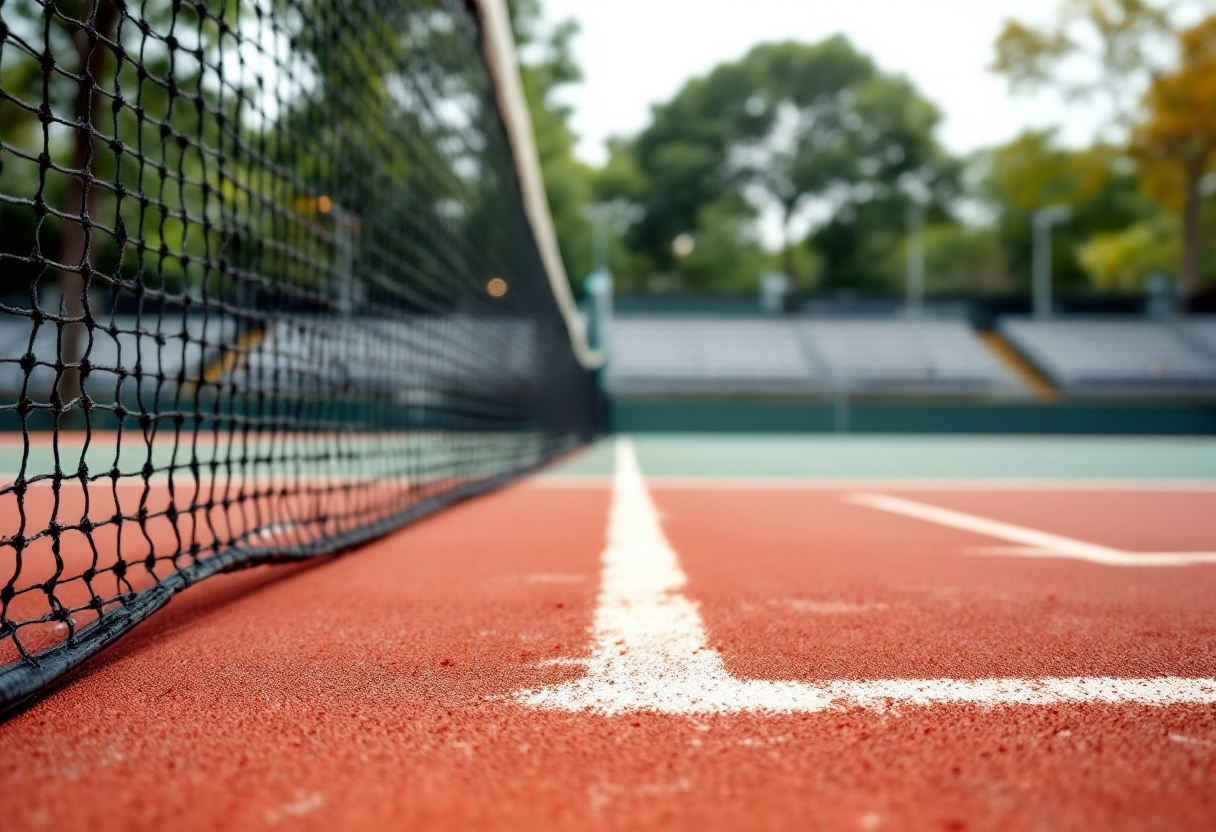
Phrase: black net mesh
(268, 290)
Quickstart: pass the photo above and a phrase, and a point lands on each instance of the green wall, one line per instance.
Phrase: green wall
(647, 415)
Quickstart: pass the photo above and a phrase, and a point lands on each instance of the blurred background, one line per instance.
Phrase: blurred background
(887, 216)
(943, 215)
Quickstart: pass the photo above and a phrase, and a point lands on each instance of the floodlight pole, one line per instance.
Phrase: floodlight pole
(916, 259)
(600, 214)
(599, 309)
(348, 294)
(600, 243)
(1044, 220)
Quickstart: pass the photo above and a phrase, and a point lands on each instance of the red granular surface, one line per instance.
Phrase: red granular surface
(366, 692)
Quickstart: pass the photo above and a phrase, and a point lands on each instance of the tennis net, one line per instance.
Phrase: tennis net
(276, 277)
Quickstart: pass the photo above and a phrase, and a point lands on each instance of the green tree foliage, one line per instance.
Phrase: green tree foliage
(1119, 261)
(100, 150)
(547, 64)
(1117, 39)
(795, 130)
(1100, 184)
(288, 113)
(433, 116)
(1167, 111)
(959, 260)
(727, 255)
(1176, 142)
(133, 143)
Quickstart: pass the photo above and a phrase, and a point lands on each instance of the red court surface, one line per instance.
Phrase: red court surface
(143, 532)
(380, 690)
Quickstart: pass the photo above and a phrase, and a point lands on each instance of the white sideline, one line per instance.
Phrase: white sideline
(651, 653)
(1038, 544)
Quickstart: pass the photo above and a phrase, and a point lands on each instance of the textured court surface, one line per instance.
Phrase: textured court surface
(687, 634)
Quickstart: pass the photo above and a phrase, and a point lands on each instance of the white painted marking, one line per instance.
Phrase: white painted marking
(825, 607)
(306, 805)
(276, 529)
(1036, 543)
(1183, 739)
(651, 653)
(556, 578)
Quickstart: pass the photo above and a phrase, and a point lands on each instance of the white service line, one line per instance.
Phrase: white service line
(651, 652)
(1038, 544)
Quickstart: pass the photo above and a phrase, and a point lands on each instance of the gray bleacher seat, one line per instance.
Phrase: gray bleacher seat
(299, 358)
(1200, 332)
(707, 355)
(187, 343)
(728, 356)
(14, 343)
(925, 356)
(311, 357)
(1112, 356)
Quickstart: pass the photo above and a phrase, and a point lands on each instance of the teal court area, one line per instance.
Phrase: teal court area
(1112, 459)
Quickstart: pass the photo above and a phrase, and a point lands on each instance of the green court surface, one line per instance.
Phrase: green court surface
(303, 455)
(712, 455)
(907, 457)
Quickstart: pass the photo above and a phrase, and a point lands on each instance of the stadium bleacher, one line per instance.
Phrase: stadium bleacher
(185, 344)
(731, 356)
(312, 357)
(303, 358)
(915, 356)
(1201, 332)
(1125, 357)
(707, 355)
(657, 354)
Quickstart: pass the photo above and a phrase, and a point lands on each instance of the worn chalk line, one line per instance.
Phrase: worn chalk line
(651, 652)
(1033, 543)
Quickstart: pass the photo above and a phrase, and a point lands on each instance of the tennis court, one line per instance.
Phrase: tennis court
(688, 632)
(311, 516)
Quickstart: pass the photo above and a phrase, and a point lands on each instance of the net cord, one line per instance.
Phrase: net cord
(499, 47)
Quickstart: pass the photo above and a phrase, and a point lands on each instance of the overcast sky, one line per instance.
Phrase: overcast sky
(636, 53)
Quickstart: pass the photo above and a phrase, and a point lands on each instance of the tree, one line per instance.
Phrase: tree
(1176, 142)
(1100, 184)
(408, 186)
(86, 28)
(77, 182)
(1115, 38)
(727, 256)
(1121, 260)
(801, 132)
(959, 259)
(546, 65)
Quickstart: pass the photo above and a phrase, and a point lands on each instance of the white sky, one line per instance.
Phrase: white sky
(636, 53)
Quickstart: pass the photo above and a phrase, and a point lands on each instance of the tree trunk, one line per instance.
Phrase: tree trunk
(79, 242)
(1192, 242)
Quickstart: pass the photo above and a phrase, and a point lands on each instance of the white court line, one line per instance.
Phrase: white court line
(651, 652)
(1038, 544)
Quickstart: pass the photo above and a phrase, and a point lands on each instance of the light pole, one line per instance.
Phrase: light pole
(916, 258)
(1044, 220)
(919, 194)
(605, 217)
(600, 215)
(614, 216)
